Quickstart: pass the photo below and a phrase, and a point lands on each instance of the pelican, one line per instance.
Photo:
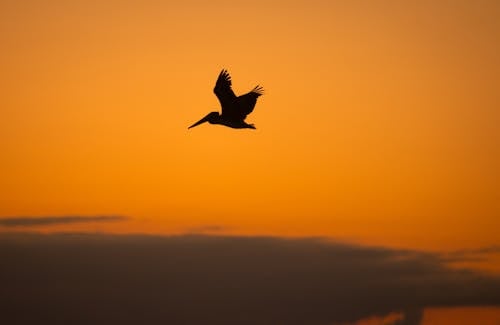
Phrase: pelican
(234, 109)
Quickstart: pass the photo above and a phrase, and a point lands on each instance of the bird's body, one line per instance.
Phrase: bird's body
(234, 109)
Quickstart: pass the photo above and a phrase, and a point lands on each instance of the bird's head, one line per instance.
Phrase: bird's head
(210, 118)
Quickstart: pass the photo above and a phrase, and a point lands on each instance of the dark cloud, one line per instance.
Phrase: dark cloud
(495, 249)
(472, 255)
(44, 221)
(207, 229)
(109, 279)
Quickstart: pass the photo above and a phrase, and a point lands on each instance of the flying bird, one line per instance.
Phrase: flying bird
(234, 109)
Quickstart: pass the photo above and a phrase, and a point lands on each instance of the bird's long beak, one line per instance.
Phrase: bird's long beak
(203, 120)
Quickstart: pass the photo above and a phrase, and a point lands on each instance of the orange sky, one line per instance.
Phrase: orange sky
(379, 123)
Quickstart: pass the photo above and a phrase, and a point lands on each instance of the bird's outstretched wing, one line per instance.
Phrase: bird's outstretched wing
(246, 102)
(224, 92)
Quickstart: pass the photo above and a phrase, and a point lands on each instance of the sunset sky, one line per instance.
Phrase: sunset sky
(379, 125)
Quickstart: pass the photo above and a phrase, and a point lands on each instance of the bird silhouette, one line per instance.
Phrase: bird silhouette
(234, 109)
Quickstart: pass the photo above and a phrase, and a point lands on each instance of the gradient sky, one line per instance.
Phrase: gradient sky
(379, 124)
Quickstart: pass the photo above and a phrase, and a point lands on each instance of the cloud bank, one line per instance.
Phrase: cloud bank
(46, 221)
(112, 279)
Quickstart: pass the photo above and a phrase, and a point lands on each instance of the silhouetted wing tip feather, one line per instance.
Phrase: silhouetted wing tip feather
(258, 90)
(224, 75)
